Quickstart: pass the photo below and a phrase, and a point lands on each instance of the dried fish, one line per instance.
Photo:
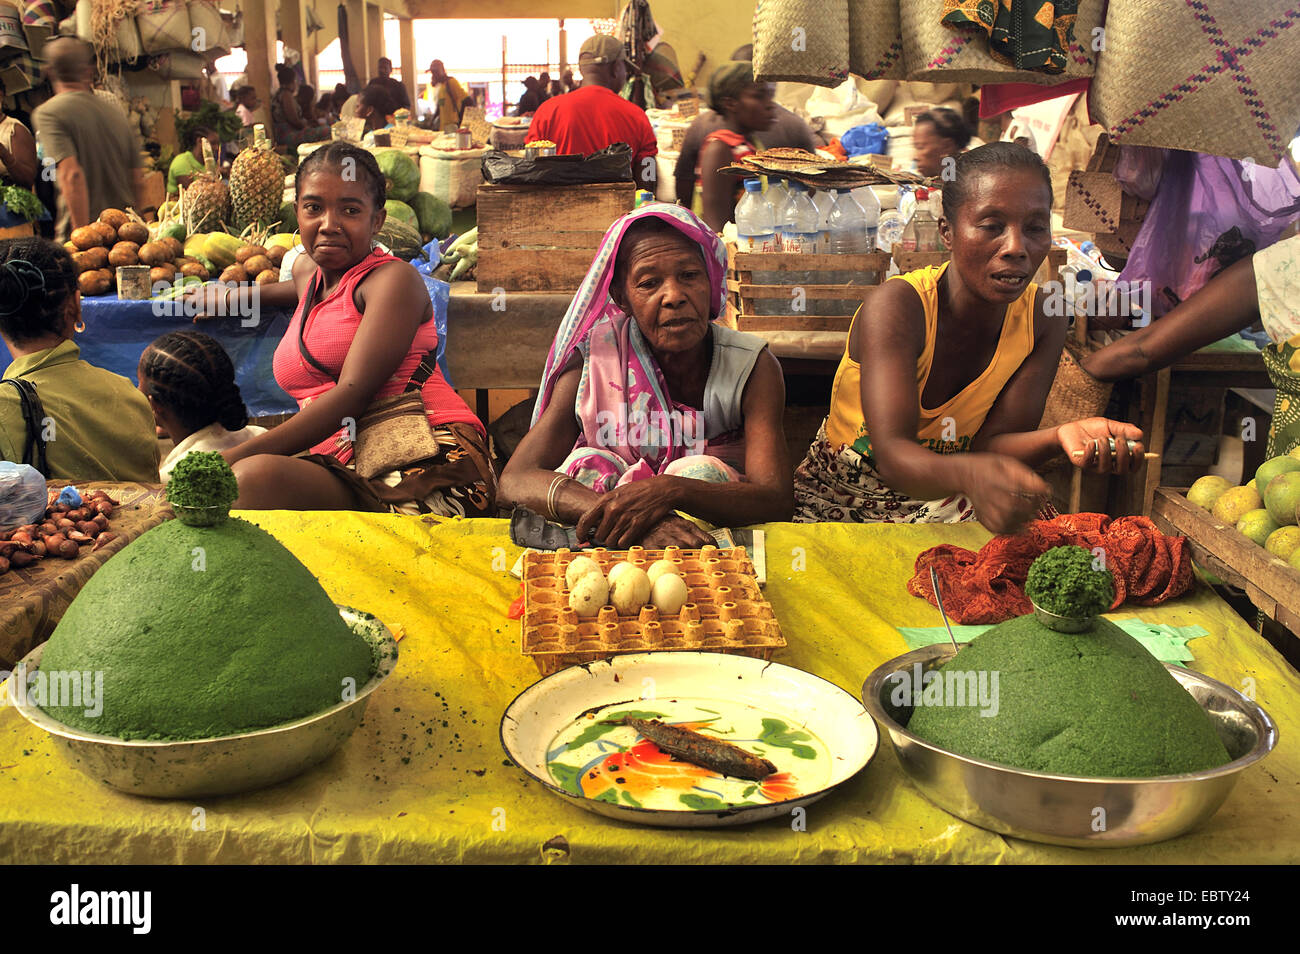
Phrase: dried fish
(709, 753)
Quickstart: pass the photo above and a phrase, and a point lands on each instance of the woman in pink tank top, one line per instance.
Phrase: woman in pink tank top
(363, 330)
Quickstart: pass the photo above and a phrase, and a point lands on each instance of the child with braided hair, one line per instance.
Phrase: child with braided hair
(190, 383)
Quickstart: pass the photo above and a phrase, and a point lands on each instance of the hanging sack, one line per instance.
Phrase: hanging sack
(232, 30)
(875, 40)
(393, 431)
(802, 41)
(1093, 197)
(164, 25)
(1216, 76)
(206, 27)
(936, 52)
(120, 43)
(13, 40)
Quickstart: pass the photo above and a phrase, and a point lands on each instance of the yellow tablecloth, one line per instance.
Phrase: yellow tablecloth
(425, 779)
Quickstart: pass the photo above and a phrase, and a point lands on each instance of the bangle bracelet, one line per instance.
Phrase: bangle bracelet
(550, 494)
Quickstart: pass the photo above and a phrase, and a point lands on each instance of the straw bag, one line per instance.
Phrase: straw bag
(875, 40)
(1216, 76)
(164, 25)
(232, 30)
(1075, 393)
(937, 53)
(125, 45)
(206, 26)
(803, 41)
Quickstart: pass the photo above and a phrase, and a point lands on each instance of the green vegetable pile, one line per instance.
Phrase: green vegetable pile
(20, 201)
(1063, 581)
(202, 479)
(226, 124)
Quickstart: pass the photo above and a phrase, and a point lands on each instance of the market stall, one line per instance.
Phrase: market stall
(425, 779)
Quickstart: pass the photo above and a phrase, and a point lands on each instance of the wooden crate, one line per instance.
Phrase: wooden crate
(543, 238)
(754, 301)
(1270, 582)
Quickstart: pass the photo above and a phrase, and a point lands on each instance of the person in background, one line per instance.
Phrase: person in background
(936, 405)
(246, 104)
(375, 108)
(788, 131)
(557, 88)
(18, 163)
(291, 128)
(566, 78)
(95, 152)
(307, 106)
(189, 382)
(594, 116)
(325, 109)
(531, 99)
(746, 109)
(186, 165)
(218, 92)
(99, 426)
(938, 134)
(448, 95)
(395, 89)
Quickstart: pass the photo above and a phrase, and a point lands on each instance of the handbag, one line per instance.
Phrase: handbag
(392, 431)
(33, 418)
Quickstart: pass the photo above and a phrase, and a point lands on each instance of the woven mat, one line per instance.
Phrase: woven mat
(34, 598)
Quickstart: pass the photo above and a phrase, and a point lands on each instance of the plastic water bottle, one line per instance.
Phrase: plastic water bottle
(847, 226)
(866, 197)
(922, 231)
(799, 222)
(755, 225)
(823, 202)
(889, 230)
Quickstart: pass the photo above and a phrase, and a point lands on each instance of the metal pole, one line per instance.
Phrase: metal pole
(503, 75)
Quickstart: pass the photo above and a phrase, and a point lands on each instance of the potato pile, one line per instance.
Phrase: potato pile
(255, 264)
(118, 239)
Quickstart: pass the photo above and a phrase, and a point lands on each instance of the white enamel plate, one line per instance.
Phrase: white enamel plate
(563, 731)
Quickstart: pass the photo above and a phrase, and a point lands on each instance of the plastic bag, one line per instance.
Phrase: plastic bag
(871, 139)
(22, 494)
(440, 296)
(611, 164)
(1139, 168)
(1208, 213)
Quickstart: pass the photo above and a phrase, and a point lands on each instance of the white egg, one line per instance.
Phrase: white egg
(668, 593)
(579, 567)
(589, 594)
(660, 567)
(618, 569)
(630, 590)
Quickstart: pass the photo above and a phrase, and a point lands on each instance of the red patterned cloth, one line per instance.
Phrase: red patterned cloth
(988, 586)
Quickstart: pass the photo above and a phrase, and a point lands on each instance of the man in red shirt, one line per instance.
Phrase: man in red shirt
(594, 116)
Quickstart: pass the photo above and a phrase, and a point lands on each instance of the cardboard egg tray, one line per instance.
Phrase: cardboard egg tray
(724, 612)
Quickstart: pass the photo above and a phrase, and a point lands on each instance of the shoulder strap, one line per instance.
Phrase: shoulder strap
(33, 418)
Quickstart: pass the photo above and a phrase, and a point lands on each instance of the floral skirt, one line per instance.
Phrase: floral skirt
(457, 482)
(842, 486)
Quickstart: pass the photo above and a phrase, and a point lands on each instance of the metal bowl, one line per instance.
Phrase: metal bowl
(224, 765)
(1068, 810)
(201, 516)
(1063, 624)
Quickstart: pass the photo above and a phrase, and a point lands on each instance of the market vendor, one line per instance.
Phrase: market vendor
(88, 423)
(746, 108)
(1261, 287)
(647, 406)
(186, 165)
(291, 129)
(363, 331)
(936, 403)
(595, 116)
(448, 94)
(938, 134)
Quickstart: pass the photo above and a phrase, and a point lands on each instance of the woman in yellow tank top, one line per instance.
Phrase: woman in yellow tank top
(935, 406)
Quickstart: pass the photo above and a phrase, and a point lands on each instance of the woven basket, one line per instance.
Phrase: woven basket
(1092, 202)
(1075, 393)
(164, 25)
(875, 39)
(207, 30)
(803, 41)
(1215, 76)
(937, 53)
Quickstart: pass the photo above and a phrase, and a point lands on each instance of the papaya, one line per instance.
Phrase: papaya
(221, 248)
(285, 240)
(194, 244)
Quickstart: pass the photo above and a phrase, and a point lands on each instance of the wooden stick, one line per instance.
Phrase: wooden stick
(1147, 456)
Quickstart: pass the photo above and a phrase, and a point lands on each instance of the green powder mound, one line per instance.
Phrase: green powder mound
(1094, 704)
(202, 632)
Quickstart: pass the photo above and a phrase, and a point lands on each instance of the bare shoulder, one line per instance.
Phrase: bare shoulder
(891, 313)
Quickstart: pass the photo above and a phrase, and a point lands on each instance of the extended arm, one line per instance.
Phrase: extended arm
(72, 183)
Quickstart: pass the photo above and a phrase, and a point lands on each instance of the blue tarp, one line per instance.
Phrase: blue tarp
(117, 332)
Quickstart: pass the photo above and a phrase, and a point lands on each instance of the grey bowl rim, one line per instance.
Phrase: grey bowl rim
(1265, 744)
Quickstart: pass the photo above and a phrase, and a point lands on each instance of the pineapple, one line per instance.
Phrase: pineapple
(256, 183)
(207, 200)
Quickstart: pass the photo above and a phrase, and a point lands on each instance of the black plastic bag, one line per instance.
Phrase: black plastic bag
(611, 164)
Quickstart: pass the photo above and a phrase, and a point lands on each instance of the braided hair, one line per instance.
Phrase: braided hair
(191, 375)
(340, 156)
(36, 278)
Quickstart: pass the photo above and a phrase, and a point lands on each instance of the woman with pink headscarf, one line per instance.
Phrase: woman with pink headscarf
(648, 409)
